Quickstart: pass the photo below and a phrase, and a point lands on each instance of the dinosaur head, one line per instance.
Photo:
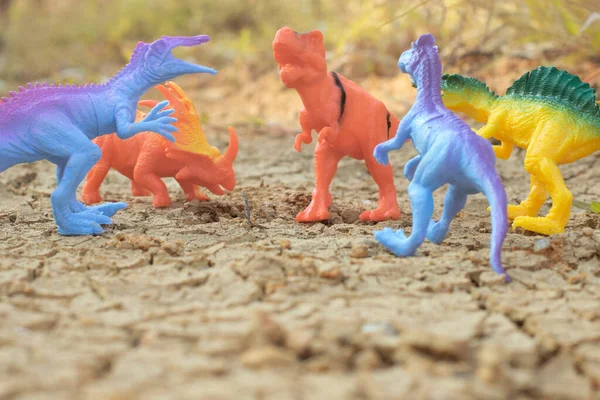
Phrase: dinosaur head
(213, 173)
(156, 60)
(423, 50)
(301, 56)
(467, 95)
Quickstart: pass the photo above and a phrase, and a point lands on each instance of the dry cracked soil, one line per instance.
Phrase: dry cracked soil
(232, 299)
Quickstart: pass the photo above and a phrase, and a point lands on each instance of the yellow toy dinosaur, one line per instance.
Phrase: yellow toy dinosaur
(550, 113)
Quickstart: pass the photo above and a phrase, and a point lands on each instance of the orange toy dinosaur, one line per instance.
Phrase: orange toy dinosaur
(349, 121)
(148, 157)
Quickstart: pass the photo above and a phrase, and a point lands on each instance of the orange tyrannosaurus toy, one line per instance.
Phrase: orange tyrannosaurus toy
(148, 157)
(349, 121)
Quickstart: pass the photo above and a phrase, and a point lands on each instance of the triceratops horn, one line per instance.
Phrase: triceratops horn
(232, 150)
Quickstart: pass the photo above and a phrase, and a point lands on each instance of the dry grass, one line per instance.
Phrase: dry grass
(46, 38)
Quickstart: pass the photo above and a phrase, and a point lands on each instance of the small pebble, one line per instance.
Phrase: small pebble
(359, 251)
(587, 231)
(541, 245)
(379, 328)
(286, 244)
(334, 274)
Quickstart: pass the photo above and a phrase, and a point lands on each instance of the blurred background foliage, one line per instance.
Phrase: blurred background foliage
(75, 40)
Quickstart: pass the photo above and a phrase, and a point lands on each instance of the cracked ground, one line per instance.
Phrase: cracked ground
(198, 301)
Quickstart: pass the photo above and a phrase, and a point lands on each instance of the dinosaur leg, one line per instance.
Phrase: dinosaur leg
(150, 181)
(532, 204)
(411, 167)
(60, 171)
(138, 190)
(430, 174)
(90, 193)
(192, 192)
(387, 206)
(326, 161)
(421, 200)
(58, 139)
(548, 173)
(108, 209)
(454, 201)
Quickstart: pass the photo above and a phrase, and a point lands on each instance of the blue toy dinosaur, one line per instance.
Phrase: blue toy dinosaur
(449, 153)
(57, 123)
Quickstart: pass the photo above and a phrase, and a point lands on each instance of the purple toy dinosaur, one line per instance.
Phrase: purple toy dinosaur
(58, 124)
(449, 152)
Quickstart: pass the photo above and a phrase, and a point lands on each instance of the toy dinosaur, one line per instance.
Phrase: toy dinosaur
(348, 120)
(57, 123)
(147, 157)
(449, 153)
(550, 113)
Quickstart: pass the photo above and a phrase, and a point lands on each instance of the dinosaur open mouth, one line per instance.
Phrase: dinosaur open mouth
(285, 54)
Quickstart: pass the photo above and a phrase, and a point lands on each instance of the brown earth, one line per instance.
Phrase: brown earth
(197, 302)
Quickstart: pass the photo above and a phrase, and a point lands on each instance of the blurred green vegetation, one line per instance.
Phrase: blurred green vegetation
(72, 39)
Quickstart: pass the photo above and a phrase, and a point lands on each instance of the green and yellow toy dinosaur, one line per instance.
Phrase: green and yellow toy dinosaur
(550, 113)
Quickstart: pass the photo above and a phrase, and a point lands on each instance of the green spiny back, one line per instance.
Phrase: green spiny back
(456, 83)
(560, 85)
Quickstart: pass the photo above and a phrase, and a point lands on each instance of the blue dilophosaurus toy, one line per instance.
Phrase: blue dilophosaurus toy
(58, 123)
(449, 153)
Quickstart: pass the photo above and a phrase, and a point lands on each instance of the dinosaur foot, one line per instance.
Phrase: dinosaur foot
(161, 201)
(436, 232)
(395, 241)
(88, 221)
(91, 198)
(313, 213)
(196, 196)
(381, 214)
(515, 211)
(543, 225)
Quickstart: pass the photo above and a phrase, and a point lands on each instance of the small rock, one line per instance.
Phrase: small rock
(379, 328)
(286, 244)
(351, 215)
(267, 356)
(587, 231)
(359, 251)
(335, 274)
(541, 245)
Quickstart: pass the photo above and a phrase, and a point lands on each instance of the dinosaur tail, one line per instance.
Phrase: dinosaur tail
(468, 95)
(493, 190)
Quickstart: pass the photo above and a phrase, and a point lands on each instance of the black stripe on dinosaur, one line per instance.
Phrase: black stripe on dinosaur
(338, 83)
(389, 124)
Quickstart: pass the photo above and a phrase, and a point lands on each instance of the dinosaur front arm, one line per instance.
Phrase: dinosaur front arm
(157, 120)
(402, 135)
(126, 125)
(504, 150)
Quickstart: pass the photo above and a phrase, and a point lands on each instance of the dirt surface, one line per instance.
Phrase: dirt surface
(196, 302)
